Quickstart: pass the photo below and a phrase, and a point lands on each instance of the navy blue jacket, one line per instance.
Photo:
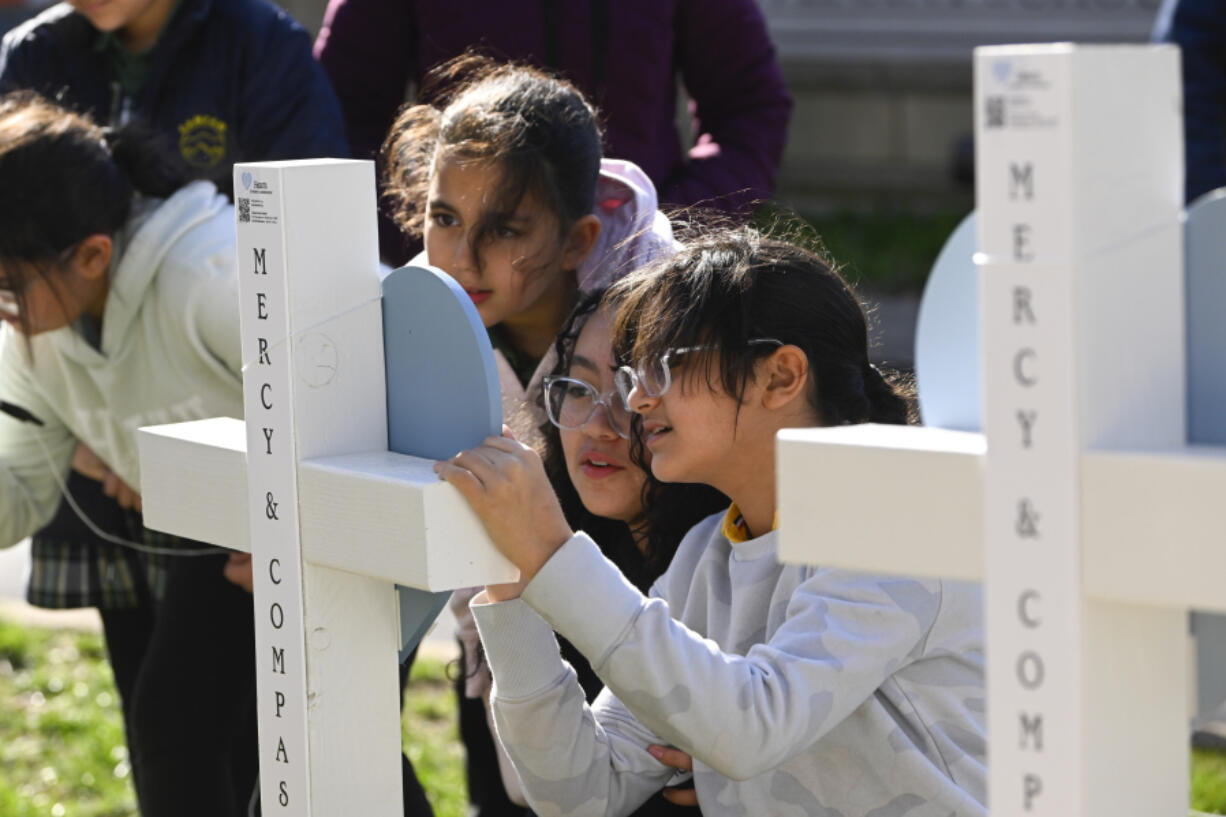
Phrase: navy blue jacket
(1199, 28)
(229, 81)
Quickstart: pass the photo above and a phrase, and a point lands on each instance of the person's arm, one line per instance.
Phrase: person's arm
(368, 50)
(1199, 28)
(290, 110)
(740, 102)
(34, 459)
(843, 635)
(571, 758)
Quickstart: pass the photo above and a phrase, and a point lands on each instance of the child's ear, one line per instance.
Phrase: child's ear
(92, 255)
(580, 241)
(785, 373)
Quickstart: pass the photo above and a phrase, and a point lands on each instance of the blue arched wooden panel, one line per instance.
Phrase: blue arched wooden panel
(947, 336)
(442, 392)
(442, 383)
(1206, 328)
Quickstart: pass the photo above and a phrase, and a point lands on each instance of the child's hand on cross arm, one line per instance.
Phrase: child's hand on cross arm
(504, 481)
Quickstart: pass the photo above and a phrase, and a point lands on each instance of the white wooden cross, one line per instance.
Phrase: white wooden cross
(1091, 522)
(333, 519)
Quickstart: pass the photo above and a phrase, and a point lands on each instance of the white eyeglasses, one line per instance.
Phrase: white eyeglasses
(571, 403)
(654, 375)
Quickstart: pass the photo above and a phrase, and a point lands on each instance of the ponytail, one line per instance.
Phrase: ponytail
(890, 397)
(141, 154)
(65, 178)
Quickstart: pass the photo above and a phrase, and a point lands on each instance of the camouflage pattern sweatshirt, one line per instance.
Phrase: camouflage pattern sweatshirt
(797, 690)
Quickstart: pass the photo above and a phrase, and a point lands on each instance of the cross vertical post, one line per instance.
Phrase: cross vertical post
(1090, 520)
(1078, 157)
(313, 386)
(334, 520)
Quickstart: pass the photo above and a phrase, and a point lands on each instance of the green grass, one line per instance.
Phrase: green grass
(61, 737)
(1209, 782)
(62, 750)
(62, 746)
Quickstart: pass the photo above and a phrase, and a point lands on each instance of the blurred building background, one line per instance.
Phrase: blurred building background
(882, 87)
(880, 155)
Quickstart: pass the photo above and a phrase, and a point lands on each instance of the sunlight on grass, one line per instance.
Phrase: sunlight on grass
(62, 746)
(431, 738)
(61, 735)
(1209, 782)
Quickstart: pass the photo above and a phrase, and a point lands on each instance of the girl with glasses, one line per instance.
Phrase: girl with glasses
(600, 483)
(788, 689)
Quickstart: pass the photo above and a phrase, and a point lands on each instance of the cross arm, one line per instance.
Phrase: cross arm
(1153, 526)
(194, 480)
(378, 513)
(883, 499)
(908, 500)
(388, 515)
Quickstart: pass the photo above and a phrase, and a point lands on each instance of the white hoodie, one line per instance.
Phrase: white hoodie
(169, 352)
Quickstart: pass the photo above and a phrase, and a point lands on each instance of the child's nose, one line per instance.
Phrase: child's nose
(639, 401)
(465, 258)
(599, 425)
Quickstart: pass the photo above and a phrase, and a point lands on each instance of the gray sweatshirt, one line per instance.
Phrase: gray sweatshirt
(797, 690)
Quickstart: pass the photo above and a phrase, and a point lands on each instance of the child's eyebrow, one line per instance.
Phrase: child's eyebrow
(439, 204)
(580, 360)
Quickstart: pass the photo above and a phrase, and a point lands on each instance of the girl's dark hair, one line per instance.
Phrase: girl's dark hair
(539, 131)
(727, 287)
(669, 509)
(66, 179)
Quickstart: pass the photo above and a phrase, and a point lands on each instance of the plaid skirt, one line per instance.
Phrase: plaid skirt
(70, 566)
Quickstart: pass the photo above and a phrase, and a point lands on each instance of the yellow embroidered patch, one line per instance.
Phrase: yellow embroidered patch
(202, 141)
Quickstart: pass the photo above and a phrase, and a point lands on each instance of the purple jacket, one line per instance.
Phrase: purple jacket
(624, 54)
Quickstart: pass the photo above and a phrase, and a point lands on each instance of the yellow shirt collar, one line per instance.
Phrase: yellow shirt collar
(735, 529)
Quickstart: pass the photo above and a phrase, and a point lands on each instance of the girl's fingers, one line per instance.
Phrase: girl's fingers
(671, 757)
(506, 444)
(479, 462)
(465, 481)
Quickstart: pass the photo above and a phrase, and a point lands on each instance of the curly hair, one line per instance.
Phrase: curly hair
(540, 131)
(669, 509)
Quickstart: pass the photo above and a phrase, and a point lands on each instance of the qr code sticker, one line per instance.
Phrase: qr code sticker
(244, 210)
(995, 112)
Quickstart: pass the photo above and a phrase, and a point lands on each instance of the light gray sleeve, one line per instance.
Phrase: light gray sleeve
(31, 456)
(843, 634)
(572, 759)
